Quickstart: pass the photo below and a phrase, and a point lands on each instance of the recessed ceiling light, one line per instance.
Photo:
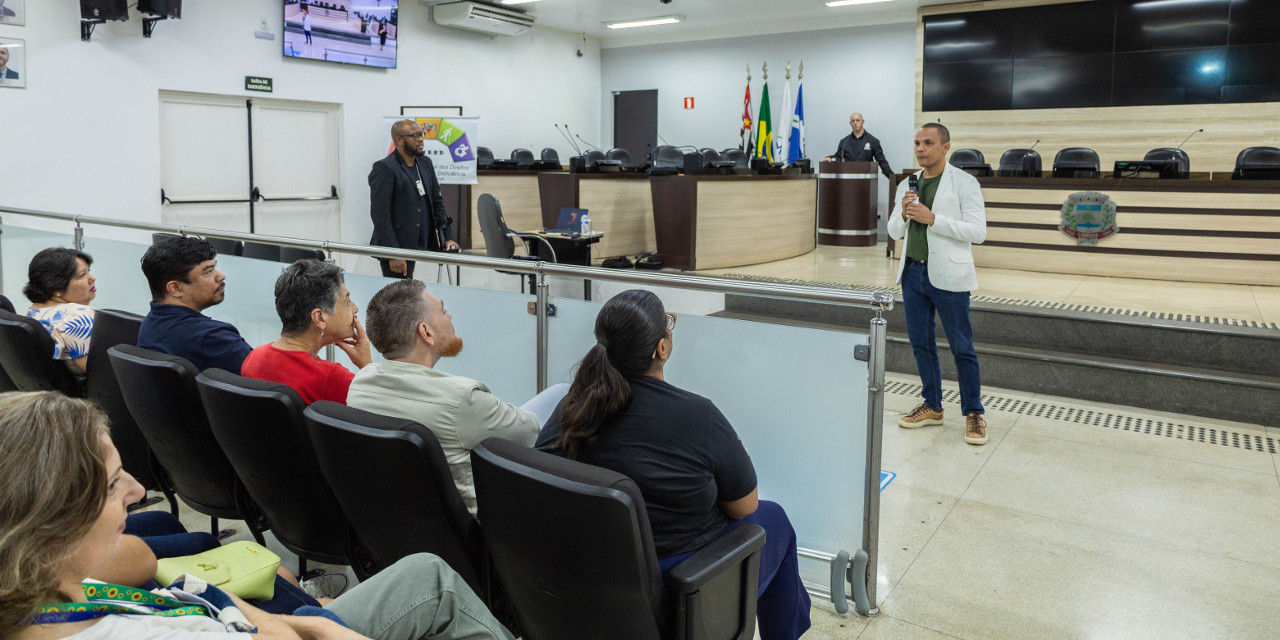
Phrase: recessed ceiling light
(842, 3)
(517, 1)
(648, 22)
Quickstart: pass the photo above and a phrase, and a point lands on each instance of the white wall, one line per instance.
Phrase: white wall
(84, 136)
(867, 69)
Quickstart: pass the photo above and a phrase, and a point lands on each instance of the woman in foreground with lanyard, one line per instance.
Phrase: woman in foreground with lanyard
(63, 502)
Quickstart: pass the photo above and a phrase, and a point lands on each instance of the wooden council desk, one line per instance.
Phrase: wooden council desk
(1197, 230)
(713, 222)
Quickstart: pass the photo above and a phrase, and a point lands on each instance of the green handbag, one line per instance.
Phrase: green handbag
(244, 568)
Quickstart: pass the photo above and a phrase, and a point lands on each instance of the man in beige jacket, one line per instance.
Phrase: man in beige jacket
(412, 330)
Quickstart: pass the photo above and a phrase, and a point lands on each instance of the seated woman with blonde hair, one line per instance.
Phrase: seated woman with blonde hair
(60, 289)
(63, 518)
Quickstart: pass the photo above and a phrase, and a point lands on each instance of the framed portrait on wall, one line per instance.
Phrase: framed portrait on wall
(13, 63)
(13, 12)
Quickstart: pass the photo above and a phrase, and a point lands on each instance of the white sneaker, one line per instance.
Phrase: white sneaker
(327, 585)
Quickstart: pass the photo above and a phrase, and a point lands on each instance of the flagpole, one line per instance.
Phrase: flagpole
(747, 129)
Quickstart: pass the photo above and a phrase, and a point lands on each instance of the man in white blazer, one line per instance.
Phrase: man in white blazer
(940, 223)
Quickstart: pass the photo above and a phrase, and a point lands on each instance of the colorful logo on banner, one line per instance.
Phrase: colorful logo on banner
(1088, 216)
(450, 143)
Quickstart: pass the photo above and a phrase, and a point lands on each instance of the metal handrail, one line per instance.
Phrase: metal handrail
(865, 299)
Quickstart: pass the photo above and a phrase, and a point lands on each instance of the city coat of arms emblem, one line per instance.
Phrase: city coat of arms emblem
(1088, 216)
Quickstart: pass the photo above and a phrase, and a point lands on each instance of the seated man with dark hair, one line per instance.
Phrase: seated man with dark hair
(411, 329)
(184, 279)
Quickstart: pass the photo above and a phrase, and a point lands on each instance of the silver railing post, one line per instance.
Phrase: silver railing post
(2, 255)
(79, 236)
(542, 329)
(330, 352)
(875, 438)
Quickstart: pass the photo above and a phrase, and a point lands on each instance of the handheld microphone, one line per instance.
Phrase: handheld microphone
(1184, 141)
(913, 183)
(587, 143)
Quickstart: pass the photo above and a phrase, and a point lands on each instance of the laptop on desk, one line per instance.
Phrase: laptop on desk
(569, 223)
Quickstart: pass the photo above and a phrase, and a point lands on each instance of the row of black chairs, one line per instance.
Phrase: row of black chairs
(1079, 162)
(258, 250)
(339, 485)
(660, 156)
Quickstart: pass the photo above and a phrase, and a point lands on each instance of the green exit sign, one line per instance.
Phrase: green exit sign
(252, 83)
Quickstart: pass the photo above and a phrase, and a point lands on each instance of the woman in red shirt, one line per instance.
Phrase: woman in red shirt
(316, 311)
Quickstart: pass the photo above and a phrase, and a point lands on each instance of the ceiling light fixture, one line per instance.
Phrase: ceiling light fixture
(518, 1)
(648, 22)
(843, 3)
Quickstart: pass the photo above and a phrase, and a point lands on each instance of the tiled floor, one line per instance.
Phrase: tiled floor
(869, 266)
(1065, 529)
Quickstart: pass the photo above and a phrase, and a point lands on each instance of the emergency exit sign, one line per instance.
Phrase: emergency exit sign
(688, 103)
(253, 83)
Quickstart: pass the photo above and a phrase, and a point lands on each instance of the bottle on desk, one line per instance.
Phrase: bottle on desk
(586, 225)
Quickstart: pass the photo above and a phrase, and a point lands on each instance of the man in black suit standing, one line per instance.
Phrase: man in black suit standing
(861, 146)
(405, 201)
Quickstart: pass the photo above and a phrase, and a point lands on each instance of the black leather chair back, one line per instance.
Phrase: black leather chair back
(1258, 157)
(739, 158)
(26, 355)
(259, 426)
(290, 255)
(7, 305)
(563, 534)
(1020, 163)
(158, 237)
(484, 157)
(667, 156)
(226, 247)
(497, 244)
(967, 158)
(594, 155)
(550, 155)
(5, 383)
(621, 155)
(522, 157)
(160, 391)
(1076, 162)
(110, 328)
(709, 155)
(394, 485)
(262, 251)
(1169, 154)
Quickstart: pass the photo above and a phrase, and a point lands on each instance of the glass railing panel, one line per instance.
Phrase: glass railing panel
(17, 246)
(796, 396)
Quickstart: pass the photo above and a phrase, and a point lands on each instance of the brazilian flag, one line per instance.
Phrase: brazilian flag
(764, 128)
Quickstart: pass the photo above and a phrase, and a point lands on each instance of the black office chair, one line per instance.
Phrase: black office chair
(226, 247)
(709, 155)
(739, 158)
(290, 255)
(1257, 163)
(262, 251)
(391, 479)
(110, 328)
(621, 155)
(499, 239)
(158, 237)
(550, 156)
(970, 161)
(7, 305)
(26, 355)
(1020, 163)
(160, 391)
(484, 157)
(5, 383)
(259, 426)
(572, 546)
(522, 157)
(1177, 158)
(593, 156)
(1076, 162)
(665, 160)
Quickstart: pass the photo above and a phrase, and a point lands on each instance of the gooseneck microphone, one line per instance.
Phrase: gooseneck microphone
(1033, 147)
(571, 142)
(587, 143)
(567, 138)
(1184, 140)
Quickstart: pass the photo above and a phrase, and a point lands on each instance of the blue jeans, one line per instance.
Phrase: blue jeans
(782, 610)
(921, 300)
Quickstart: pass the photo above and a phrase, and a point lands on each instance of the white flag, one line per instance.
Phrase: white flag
(781, 134)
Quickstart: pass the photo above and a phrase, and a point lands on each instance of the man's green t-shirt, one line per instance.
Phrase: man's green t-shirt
(918, 233)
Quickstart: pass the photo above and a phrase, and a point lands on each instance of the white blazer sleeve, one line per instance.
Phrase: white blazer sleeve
(896, 226)
(971, 225)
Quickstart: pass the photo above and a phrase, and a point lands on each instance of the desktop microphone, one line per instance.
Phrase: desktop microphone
(1184, 141)
(566, 137)
(576, 148)
(1033, 147)
(664, 140)
(588, 143)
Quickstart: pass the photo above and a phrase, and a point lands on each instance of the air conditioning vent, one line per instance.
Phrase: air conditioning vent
(483, 18)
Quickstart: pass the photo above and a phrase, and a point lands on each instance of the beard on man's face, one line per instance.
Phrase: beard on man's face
(451, 348)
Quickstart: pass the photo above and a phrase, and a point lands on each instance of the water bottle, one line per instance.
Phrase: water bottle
(586, 225)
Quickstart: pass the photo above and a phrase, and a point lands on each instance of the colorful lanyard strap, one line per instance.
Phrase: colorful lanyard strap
(109, 599)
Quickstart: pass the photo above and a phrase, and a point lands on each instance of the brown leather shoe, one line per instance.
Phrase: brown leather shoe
(921, 416)
(975, 429)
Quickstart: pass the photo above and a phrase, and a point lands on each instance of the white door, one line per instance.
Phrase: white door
(205, 155)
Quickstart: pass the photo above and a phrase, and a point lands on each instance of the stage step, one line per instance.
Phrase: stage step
(1217, 372)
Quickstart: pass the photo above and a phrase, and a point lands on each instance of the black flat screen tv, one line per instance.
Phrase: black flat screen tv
(361, 32)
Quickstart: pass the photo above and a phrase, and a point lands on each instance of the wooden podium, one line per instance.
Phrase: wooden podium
(847, 199)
